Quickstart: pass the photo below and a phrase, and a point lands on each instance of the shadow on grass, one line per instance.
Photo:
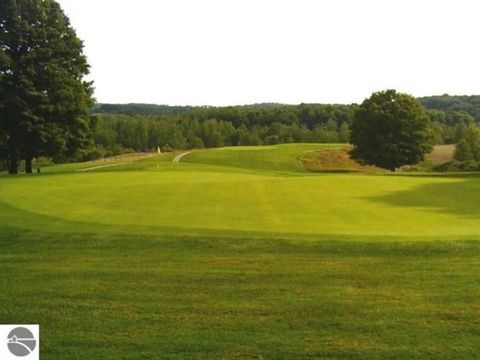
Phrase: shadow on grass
(460, 198)
(17, 221)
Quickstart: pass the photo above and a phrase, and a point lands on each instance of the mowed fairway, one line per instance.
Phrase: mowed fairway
(241, 253)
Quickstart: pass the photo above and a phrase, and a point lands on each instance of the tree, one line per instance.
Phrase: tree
(344, 133)
(468, 148)
(45, 100)
(390, 130)
(463, 151)
(473, 137)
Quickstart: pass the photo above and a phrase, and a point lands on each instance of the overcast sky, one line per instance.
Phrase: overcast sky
(227, 52)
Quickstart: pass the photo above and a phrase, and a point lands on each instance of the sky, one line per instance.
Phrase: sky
(233, 52)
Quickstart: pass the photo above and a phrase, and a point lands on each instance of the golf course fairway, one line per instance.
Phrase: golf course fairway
(241, 253)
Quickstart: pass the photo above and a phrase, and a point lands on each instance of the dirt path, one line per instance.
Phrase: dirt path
(179, 157)
(102, 166)
(125, 158)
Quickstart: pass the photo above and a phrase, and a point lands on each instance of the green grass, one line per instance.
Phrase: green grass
(241, 253)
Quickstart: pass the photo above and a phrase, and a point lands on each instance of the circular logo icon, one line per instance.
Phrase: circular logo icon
(21, 341)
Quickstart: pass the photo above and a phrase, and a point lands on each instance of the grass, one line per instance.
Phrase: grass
(241, 253)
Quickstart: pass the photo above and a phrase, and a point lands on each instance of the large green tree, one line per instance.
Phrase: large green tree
(389, 130)
(44, 99)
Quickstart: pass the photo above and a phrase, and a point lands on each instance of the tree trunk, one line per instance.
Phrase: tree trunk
(28, 165)
(12, 164)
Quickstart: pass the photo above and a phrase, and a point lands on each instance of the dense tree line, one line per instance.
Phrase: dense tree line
(451, 104)
(140, 127)
(140, 109)
(119, 133)
(143, 127)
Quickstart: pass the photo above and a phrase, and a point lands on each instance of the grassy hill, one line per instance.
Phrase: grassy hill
(283, 158)
(241, 253)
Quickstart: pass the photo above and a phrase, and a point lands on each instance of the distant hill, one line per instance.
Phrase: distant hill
(140, 109)
(166, 110)
(468, 104)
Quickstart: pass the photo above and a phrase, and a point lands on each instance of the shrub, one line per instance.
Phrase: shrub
(455, 165)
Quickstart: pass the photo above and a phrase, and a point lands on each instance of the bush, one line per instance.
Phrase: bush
(272, 140)
(455, 165)
(92, 153)
(117, 149)
(469, 166)
(42, 162)
(463, 151)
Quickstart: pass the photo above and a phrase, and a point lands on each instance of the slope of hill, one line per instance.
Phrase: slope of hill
(278, 158)
(467, 103)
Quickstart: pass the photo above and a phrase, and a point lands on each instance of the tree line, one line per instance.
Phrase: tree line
(139, 127)
(466, 104)
(118, 129)
(216, 127)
